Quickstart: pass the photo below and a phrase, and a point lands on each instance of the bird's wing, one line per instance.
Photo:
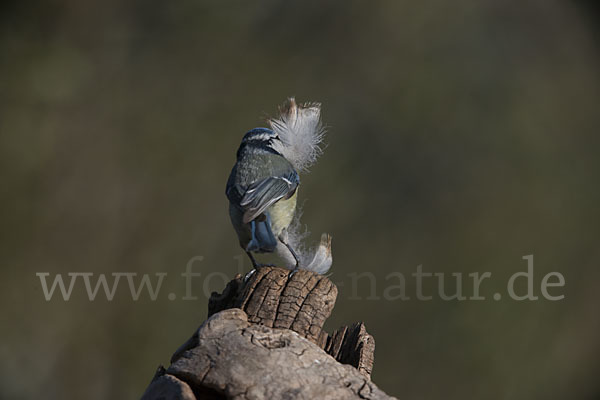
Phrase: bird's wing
(262, 194)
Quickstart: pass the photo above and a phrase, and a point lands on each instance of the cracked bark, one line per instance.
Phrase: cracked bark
(264, 340)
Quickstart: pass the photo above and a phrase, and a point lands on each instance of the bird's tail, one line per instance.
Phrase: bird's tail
(263, 240)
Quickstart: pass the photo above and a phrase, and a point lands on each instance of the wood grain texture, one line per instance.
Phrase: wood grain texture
(264, 340)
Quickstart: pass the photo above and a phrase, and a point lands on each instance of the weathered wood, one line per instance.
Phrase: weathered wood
(227, 299)
(237, 359)
(264, 340)
(168, 387)
(354, 346)
(275, 298)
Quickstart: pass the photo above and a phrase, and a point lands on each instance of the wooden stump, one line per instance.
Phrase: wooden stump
(264, 340)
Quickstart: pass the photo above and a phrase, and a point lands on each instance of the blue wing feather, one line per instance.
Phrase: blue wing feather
(262, 194)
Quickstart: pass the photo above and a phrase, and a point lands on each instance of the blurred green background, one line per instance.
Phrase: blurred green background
(462, 136)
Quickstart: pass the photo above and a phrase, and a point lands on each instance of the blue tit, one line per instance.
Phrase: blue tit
(262, 190)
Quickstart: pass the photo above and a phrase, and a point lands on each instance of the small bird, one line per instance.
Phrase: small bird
(263, 186)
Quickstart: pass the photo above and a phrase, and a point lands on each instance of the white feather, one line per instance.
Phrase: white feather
(317, 259)
(322, 258)
(301, 133)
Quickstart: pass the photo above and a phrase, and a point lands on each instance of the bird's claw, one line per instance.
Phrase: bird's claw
(249, 275)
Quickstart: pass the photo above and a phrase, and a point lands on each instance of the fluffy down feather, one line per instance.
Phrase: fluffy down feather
(317, 259)
(301, 133)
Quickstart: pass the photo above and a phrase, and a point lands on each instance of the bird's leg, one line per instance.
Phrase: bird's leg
(255, 265)
(282, 239)
(252, 259)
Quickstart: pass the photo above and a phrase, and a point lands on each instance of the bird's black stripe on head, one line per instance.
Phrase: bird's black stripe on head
(259, 138)
(260, 135)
